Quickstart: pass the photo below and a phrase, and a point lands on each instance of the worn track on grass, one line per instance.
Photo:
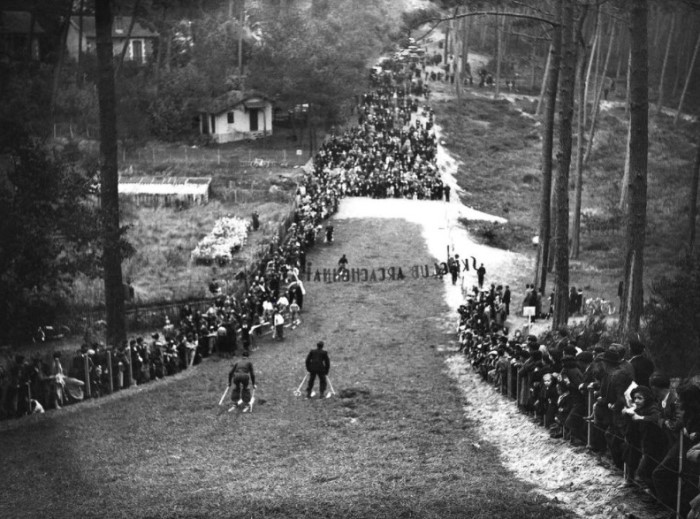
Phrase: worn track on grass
(393, 443)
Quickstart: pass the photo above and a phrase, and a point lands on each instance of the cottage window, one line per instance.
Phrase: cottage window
(230, 117)
(137, 51)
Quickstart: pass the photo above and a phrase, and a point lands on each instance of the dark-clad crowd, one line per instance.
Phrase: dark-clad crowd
(390, 153)
(603, 395)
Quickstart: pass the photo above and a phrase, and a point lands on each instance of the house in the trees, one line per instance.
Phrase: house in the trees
(236, 116)
(20, 36)
(141, 42)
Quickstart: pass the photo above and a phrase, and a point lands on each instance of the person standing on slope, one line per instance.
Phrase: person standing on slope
(318, 364)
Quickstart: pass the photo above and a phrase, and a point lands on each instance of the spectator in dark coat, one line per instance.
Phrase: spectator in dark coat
(318, 364)
(665, 476)
(645, 413)
(643, 367)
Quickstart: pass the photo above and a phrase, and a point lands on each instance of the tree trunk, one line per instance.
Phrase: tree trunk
(80, 42)
(109, 177)
(591, 59)
(620, 54)
(599, 94)
(633, 295)
(561, 180)
(580, 130)
(240, 40)
(446, 45)
(168, 50)
(687, 80)
(547, 147)
(533, 62)
(58, 69)
(120, 63)
(30, 39)
(662, 78)
(499, 57)
(466, 26)
(545, 79)
(693, 203)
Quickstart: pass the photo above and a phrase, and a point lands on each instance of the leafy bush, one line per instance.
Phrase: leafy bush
(672, 322)
(180, 94)
(500, 235)
(586, 334)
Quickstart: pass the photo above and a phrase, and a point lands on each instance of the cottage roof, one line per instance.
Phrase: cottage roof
(18, 22)
(120, 27)
(229, 100)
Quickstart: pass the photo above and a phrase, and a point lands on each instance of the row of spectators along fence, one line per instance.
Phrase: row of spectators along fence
(606, 397)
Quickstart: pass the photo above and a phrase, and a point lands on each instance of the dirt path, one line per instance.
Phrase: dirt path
(573, 477)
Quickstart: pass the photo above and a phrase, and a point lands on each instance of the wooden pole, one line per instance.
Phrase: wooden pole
(110, 371)
(86, 367)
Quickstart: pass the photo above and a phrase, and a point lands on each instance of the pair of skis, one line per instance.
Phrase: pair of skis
(245, 408)
(328, 394)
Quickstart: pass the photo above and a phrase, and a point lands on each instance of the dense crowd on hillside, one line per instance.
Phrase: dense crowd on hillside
(386, 155)
(607, 396)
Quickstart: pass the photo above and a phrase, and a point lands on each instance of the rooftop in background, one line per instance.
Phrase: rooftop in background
(120, 27)
(18, 22)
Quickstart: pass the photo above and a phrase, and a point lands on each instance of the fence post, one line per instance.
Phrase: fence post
(29, 397)
(517, 386)
(509, 381)
(680, 474)
(589, 424)
(86, 367)
(130, 363)
(110, 371)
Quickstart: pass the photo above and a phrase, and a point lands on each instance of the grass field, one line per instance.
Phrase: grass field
(393, 443)
(499, 151)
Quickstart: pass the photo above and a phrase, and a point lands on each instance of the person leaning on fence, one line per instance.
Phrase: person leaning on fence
(645, 414)
(665, 476)
(572, 380)
(613, 383)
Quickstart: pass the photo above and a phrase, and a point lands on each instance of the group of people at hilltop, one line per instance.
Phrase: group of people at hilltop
(389, 154)
(605, 395)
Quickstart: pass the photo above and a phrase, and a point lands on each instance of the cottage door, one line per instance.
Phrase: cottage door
(253, 119)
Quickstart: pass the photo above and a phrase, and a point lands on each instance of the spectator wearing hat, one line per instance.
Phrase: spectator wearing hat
(318, 364)
(642, 365)
(572, 379)
(651, 441)
(665, 476)
(613, 383)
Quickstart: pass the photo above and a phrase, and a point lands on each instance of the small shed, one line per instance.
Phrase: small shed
(236, 116)
(166, 191)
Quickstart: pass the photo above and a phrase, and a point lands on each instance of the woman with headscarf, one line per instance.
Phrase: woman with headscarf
(649, 438)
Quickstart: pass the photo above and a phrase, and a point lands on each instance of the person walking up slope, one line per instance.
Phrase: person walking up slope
(317, 364)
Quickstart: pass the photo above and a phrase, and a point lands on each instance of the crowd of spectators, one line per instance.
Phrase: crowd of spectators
(606, 396)
(390, 153)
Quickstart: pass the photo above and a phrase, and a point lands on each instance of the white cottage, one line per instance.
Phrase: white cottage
(237, 115)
